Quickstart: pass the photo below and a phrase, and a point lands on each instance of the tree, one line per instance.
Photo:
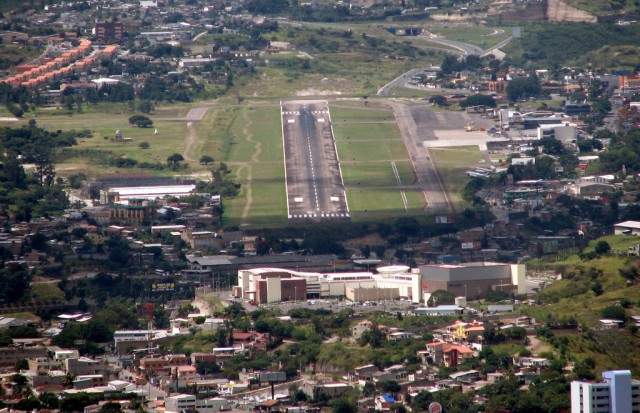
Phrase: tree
(145, 106)
(111, 407)
(140, 121)
(22, 364)
(521, 87)
(390, 386)
(207, 367)
(144, 145)
(438, 100)
(49, 400)
(369, 389)
(175, 159)
(602, 247)
(614, 312)
(206, 159)
(343, 405)
(479, 100)
(441, 297)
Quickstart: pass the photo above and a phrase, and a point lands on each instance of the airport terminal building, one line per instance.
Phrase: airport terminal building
(472, 280)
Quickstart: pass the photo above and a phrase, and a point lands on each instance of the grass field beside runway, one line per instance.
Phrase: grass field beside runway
(249, 140)
(368, 204)
(374, 160)
(376, 174)
(357, 112)
(452, 163)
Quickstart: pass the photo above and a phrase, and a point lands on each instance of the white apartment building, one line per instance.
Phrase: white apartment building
(181, 402)
(617, 394)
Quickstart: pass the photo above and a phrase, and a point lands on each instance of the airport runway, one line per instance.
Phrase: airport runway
(315, 190)
(416, 127)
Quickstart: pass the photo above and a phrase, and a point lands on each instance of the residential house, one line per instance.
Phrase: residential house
(363, 373)
(455, 354)
(384, 402)
(358, 329)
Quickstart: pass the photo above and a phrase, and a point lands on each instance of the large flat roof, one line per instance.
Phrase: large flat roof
(628, 224)
(152, 191)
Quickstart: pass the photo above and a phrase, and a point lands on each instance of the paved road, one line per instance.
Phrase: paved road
(428, 179)
(464, 48)
(194, 115)
(399, 81)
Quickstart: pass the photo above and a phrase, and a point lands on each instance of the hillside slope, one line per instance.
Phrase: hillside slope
(559, 11)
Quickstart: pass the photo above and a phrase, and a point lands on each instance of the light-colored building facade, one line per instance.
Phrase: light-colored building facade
(474, 280)
(617, 394)
(182, 402)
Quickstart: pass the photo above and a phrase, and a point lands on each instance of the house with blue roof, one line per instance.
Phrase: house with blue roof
(384, 402)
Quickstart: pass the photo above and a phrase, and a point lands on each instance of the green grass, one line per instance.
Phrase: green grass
(376, 174)
(366, 131)
(617, 242)
(357, 112)
(507, 348)
(250, 142)
(42, 292)
(452, 163)
(368, 204)
(371, 150)
(479, 36)
(13, 54)
(171, 137)
(367, 152)
(25, 316)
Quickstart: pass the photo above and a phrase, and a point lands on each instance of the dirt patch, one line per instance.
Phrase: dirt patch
(559, 11)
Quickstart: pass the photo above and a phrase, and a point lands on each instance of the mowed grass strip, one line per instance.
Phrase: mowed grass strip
(376, 174)
(252, 146)
(343, 113)
(371, 151)
(368, 204)
(452, 163)
(368, 132)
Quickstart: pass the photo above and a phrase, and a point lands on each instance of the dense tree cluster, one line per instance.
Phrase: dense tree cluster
(523, 87)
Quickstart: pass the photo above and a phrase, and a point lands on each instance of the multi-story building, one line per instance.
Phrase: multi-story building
(106, 30)
(183, 402)
(474, 280)
(617, 394)
(134, 212)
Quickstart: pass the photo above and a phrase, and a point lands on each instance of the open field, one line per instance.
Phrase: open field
(484, 37)
(368, 204)
(249, 140)
(376, 174)
(247, 135)
(334, 59)
(371, 150)
(356, 111)
(452, 163)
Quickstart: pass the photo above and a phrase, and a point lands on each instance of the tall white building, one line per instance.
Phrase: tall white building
(617, 394)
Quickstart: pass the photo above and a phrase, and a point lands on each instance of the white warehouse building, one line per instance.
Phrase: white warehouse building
(268, 285)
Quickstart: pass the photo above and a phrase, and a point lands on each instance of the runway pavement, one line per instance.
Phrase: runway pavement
(315, 189)
(415, 130)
